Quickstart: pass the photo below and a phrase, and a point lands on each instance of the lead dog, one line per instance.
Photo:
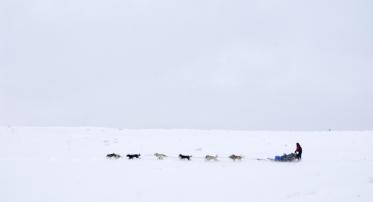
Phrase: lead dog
(209, 157)
(113, 155)
(235, 157)
(182, 157)
(160, 156)
(131, 156)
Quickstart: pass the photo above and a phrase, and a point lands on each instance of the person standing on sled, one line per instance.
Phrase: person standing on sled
(298, 152)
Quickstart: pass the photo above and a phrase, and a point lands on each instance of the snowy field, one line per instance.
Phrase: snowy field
(69, 165)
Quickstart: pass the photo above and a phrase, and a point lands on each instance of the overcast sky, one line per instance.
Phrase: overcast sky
(237, 64)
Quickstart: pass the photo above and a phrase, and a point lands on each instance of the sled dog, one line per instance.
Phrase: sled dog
(210, 157)
(235, 157)
(160, 156)
(132, 156)
(113, 156)
(185, 157)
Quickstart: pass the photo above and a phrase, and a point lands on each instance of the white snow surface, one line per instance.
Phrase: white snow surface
(52, 164)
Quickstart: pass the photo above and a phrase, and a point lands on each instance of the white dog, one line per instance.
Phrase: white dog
(160, 156)
(209, 157)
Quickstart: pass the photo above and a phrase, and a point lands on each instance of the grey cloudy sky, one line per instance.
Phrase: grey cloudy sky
(237, 64)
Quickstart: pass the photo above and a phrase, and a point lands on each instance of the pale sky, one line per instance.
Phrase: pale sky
(203, 64)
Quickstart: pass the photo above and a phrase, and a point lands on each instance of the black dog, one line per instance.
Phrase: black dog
(131, 156)
(113, 155)
(185, 157)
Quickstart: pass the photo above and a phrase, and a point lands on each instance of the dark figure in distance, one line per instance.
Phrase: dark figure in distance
(298, 152)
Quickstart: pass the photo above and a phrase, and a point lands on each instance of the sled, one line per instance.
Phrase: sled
(284, 158)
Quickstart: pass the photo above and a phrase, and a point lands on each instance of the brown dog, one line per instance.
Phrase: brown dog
(113, 156)
(236, 157)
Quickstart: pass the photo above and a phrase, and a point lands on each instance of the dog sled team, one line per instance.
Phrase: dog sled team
(181, 156)
(297, 155)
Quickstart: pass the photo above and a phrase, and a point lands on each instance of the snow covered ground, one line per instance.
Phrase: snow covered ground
(69, 164)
